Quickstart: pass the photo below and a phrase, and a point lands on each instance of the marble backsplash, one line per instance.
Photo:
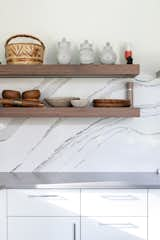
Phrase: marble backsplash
(92, 144)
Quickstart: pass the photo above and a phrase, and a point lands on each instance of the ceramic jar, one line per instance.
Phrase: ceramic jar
(86, 53)
(108, 56)
(64, 54)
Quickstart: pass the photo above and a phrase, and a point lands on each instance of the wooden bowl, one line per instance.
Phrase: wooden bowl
(111, 103)
(32, 100)
(31, 94)
(8, 105)
(11, 94)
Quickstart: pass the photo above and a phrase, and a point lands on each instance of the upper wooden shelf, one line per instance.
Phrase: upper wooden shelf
(57, 70)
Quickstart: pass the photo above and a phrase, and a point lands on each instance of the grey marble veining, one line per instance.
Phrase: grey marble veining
(85, 145)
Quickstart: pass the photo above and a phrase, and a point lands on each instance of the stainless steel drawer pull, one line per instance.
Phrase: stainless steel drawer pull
(74, 231)
(120, 197)
(119, 225)
(55, 197)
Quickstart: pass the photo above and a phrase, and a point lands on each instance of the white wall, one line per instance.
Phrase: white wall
(85, 144)
(99, 21)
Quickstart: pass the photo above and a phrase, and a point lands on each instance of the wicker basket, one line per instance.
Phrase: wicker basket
(24, 53)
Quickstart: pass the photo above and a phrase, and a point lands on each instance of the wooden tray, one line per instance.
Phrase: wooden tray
(111, 103)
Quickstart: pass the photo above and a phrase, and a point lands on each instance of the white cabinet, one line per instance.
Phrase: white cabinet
(3, 215)
(115, 228)
(41, 228)
(154, 214)
(66, 214)
(45, 202)
(114, 214)
(103, 202)
(154, 202)
(44, 214)
(154, 228)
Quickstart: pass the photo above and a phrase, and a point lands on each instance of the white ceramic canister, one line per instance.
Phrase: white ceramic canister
(87, 55)
(64, 54)
(108, 56)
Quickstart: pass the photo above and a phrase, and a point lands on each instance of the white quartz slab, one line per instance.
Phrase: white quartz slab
(93, 144)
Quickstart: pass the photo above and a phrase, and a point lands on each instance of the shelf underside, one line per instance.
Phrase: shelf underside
(125, 112)
(72, 70)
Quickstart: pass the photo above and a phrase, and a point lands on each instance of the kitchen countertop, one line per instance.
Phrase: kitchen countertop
(80, 180)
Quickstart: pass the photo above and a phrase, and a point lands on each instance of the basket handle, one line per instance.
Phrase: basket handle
(25, 36)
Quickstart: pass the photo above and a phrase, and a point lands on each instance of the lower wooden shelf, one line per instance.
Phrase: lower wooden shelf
(125, 112)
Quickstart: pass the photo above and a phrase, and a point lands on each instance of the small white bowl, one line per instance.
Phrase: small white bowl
(59, 101)
(80, 103)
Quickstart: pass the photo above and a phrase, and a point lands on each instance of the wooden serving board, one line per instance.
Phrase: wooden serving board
(111, 103)
(20, 103)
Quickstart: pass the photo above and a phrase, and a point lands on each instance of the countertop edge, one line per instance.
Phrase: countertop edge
(110, 180)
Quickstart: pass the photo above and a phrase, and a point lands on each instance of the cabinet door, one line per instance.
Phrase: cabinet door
(106, 202)
(154, 214)
(41, 228)
(115, 228)
(154, 202)
(44, 202)
(3, 215)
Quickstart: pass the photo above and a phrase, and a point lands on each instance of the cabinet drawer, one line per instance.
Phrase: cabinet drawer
(3, 215)
(154, 203)
(102, 202)
(45, 202)
(153, 228)
(31, 228)
(3, 204)
(115, 228)
(3, 229)
(153, 214)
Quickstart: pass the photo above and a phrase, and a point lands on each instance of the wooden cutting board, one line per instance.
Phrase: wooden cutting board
(111, 103)
(20, 103)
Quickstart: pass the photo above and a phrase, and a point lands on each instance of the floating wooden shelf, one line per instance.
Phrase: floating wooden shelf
(55, 70)
(70, 112)
(77, 71)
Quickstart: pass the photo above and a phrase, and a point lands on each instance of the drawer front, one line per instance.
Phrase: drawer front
(41, 228)
(3, 230)
(45, 202)
(115, 228)
(153, 228)
(3, 203)
(3, 215)
(153, 214)
(154, 202)
(102, 202)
